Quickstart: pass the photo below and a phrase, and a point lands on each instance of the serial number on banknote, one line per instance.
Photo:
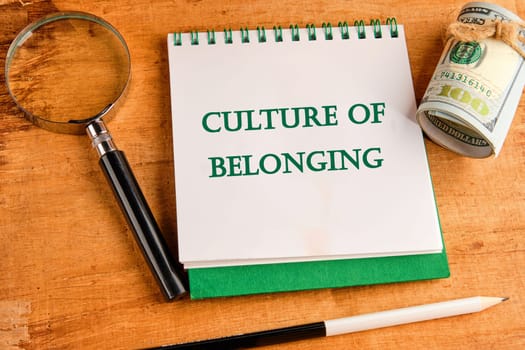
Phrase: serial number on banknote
(465, 79)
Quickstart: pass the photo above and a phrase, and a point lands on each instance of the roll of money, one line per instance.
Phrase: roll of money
(472, 97)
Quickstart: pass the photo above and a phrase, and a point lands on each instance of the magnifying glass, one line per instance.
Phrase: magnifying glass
(67, 72)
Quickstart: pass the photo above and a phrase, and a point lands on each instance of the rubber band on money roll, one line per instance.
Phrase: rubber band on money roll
(506, 31)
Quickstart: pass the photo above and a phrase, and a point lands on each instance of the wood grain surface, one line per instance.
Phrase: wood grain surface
(71, 275)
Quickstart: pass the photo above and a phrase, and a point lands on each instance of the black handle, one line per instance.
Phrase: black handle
(142, 223)
(256, 339)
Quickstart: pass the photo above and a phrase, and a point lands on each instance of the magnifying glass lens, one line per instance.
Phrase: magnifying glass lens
(67, 69)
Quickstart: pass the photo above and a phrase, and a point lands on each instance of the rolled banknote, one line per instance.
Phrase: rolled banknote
(472, 97)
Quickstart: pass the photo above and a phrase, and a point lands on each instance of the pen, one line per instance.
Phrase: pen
(344, 325)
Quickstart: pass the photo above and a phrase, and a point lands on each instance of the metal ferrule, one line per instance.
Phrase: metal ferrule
(100, 137)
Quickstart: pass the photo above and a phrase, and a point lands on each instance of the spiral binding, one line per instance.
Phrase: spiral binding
(326, 28)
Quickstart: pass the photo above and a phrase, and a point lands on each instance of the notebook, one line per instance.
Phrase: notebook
(298, 160)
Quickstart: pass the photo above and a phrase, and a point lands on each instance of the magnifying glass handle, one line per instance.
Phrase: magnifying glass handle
(137, 212)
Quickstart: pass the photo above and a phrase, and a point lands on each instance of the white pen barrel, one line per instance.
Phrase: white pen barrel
(408, 315)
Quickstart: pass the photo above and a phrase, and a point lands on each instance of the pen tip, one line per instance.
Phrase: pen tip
(504, 299)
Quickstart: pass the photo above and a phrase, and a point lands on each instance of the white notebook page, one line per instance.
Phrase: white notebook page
(271, 192)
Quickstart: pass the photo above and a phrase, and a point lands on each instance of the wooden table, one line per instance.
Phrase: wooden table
(72, 276)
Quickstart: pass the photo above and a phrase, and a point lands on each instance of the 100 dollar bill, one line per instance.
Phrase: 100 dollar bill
(474, 92)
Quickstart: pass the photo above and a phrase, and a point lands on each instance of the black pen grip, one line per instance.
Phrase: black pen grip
(256, 339)
(142, 223)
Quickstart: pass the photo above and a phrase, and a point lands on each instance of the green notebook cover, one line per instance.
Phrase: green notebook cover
(254, 279)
